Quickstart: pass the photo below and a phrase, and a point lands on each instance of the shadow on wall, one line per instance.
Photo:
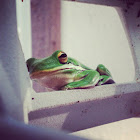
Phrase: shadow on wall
(83, 115)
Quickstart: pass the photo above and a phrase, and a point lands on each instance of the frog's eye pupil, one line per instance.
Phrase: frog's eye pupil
(62, 58)
(63, 55)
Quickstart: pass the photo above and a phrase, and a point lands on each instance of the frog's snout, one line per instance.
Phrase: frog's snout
(29, 63)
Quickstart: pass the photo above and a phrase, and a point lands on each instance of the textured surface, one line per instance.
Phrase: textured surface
(80, 109)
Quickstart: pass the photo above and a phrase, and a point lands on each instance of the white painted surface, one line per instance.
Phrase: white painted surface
(122, 130)
(75, 110)
(132, 17)
(94, 34)
(23, 11)
(14, 79)
(24, 26)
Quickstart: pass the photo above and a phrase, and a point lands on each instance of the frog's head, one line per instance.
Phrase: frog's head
(47, 65)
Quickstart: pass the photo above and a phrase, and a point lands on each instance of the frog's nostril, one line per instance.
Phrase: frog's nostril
(27, 66)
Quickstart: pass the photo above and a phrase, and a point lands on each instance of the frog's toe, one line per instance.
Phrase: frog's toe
(110, 81)
(104, 80)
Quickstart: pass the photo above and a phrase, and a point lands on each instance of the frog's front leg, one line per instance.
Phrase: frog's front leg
(83, 79)
(105, 75)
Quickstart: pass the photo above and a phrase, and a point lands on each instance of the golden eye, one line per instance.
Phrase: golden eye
(62, 57)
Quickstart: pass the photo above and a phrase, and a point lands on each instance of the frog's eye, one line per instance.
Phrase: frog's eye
(62, 57)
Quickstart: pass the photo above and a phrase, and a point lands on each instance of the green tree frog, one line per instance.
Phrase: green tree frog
(60, 72)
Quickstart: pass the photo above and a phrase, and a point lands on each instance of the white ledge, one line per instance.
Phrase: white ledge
(46, 99)
(80, 109)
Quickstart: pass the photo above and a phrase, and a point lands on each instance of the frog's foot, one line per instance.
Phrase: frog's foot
(105, 75)
(84, 79)
(103, 70)
(104, 79)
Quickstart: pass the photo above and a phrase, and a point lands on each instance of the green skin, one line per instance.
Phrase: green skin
(81, 76)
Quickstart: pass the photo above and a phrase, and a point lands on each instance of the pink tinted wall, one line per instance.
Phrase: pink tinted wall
(45, 20)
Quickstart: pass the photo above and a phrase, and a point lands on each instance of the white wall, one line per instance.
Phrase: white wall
(24, 26)
(23, 12)
(94, 34)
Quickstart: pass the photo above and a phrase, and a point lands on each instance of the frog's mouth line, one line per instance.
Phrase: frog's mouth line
(42, 73)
